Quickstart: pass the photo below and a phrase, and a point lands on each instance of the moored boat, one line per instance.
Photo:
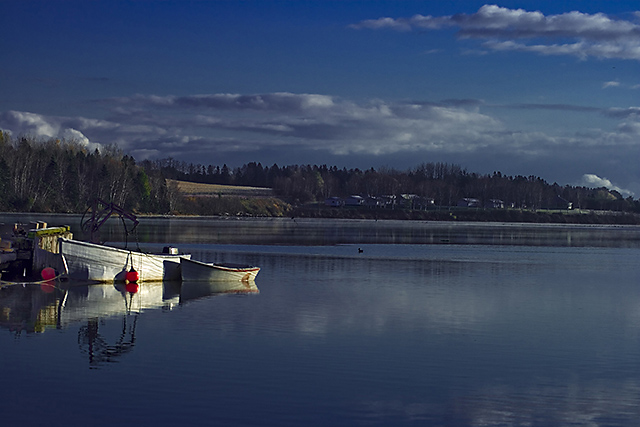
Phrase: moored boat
(193, 270)
(90, 261)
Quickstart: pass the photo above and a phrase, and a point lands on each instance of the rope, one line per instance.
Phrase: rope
(130, 259)
(126, 232)
(133, 231)
(5, 283)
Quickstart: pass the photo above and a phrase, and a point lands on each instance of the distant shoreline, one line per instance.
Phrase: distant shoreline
(472, 215)
(444, 214)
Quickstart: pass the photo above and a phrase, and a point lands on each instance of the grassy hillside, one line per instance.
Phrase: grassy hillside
(199, 189)
(225, 200)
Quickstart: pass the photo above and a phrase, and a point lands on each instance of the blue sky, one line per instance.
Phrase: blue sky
(542, 88)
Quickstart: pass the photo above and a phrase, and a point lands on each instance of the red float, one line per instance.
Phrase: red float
(48, 273)
(132, 276)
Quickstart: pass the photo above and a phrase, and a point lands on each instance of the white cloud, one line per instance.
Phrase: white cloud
(322, 122)
(591, 35)
(243, 123)
(341, 126)
(405, 24)
(630, 112)
(70, 134)
(594, 181)
(279, 101)
(492, 20)
(21, 123)
(24, 123)
(610, 84)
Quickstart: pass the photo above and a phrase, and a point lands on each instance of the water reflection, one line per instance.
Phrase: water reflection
(304, 231)
(574, 403)
(191, 290)
(29, 308)
(272, 231)
(541, 334)
(33, 308)
(36, 307)
(98, 349)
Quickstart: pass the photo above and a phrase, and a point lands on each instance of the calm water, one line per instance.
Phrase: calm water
(352, 323)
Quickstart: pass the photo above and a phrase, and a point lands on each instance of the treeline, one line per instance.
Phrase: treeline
(445, 183)
(63, 176)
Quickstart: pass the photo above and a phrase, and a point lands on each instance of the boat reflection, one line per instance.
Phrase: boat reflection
(191, 290)
(35, 307)
(29, 307)
(97, 347)
(87, 301)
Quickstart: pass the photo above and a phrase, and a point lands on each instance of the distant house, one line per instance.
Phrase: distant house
(354, 201)
(335, 202)
(494, 204)
(469, 202)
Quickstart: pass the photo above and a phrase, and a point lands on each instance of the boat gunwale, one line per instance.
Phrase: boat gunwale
(124, 251)
(225, 267)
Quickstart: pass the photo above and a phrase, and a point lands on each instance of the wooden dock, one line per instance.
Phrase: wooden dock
(24, 251)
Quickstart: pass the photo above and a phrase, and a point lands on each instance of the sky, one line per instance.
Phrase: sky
(545, 88)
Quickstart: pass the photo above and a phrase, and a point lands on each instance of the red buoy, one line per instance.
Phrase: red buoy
(48, 273)
(132, 276)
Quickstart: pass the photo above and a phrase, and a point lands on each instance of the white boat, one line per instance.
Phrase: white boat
(89, 261)
(193, 270)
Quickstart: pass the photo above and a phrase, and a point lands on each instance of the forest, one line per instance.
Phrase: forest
(64, 176)
(445, 183)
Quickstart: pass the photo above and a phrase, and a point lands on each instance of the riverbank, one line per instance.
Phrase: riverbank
(271, 207)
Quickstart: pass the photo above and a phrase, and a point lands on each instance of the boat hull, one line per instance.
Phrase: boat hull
(88, 261)
(193, 270)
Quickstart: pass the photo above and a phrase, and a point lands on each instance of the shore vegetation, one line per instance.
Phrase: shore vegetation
(64, 176)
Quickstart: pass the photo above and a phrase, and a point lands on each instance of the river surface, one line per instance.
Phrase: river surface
(350, 323)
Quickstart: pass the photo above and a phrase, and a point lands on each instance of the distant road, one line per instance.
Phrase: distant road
(199, 189)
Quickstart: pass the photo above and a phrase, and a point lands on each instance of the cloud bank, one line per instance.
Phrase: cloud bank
(594, 181)
(503, 29)
(20, 123)
(313, 121)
